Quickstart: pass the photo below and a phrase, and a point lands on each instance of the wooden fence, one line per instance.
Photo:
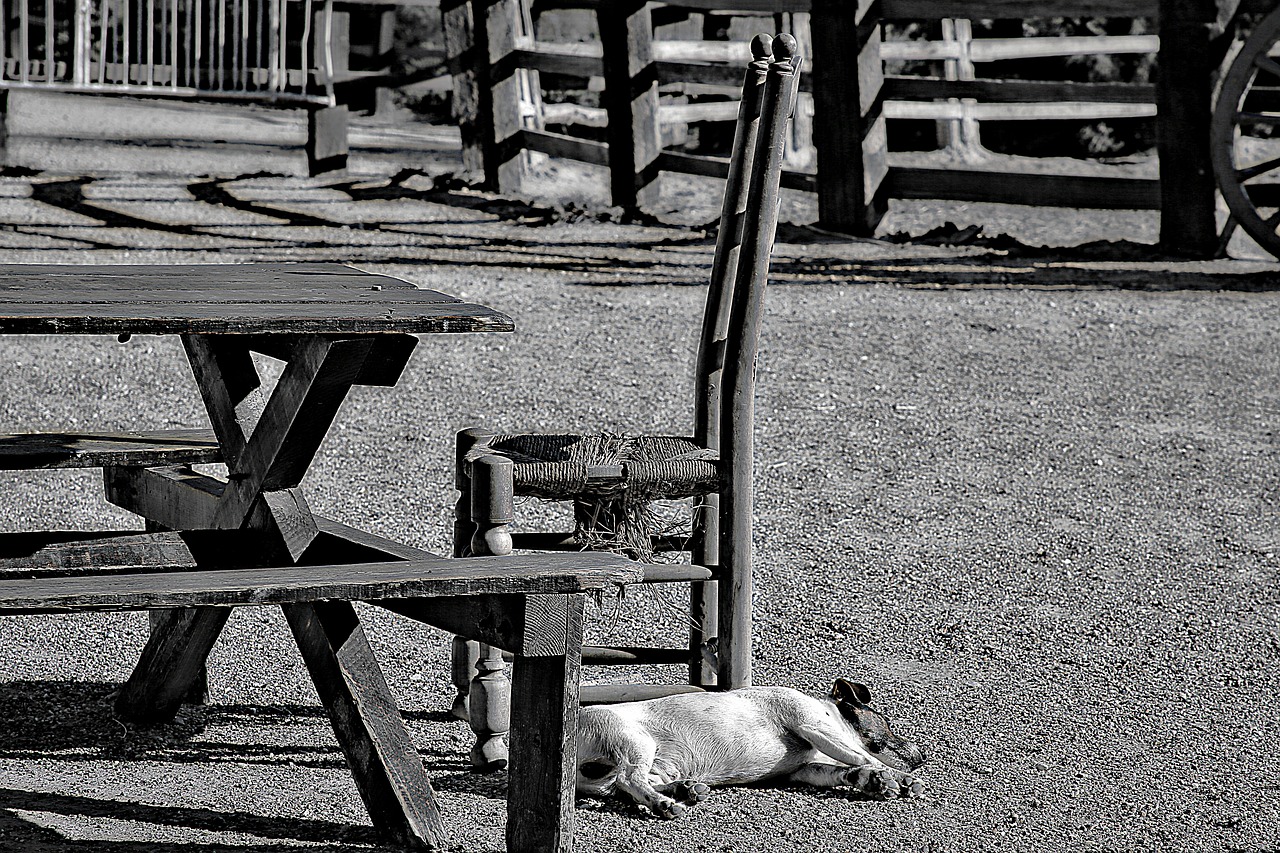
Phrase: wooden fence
(496, 59)
(289, 53)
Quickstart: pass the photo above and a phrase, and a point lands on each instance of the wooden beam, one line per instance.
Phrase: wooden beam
(466, 53)
(1184, 93)
(1010, 188)
(172, 663)
(97, 450)
(849, 126)
(516, 574)
(559, 145)
(503, 25)
(327, 136)
(367, 723)
(1016, 91)
(544, 720)
(631, 99)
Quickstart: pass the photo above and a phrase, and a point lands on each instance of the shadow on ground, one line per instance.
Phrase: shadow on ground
(415, 218)
(76, 721)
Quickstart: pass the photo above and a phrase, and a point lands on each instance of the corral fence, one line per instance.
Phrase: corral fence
(289, 53)
(840, 150)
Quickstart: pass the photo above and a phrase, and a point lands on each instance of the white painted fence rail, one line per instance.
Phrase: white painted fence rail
(261, 50)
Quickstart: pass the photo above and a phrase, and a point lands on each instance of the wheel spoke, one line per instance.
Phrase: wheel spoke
(1267, 64)
(1243, 175)
(1250, 119)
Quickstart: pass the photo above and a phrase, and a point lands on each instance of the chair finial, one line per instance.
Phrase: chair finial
(784, 47)
(761, 46)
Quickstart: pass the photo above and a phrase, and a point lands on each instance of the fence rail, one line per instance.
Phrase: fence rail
(235, 49)
(288, 53)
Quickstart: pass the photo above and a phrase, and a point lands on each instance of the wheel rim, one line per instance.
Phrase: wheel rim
(1246, 135)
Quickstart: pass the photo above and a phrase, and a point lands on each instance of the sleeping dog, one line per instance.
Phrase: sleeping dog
(666, 753)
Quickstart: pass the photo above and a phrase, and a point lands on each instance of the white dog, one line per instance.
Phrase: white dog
(665, 753)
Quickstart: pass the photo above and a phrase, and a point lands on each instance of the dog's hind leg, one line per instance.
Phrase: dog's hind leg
(633, 780)
(635, 776)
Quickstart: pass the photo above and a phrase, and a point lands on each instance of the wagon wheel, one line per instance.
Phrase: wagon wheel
(1246, 136)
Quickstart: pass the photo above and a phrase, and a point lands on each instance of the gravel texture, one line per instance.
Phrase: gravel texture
(1030, 497)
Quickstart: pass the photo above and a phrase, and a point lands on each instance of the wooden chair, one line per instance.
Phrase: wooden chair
(606, 476)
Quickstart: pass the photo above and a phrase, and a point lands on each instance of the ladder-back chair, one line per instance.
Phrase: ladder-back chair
(606, 476)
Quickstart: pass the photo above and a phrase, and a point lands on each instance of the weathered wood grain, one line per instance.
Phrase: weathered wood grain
(227, 299)
(1088, 191)
(66, 552)
(367, 723)
(34, 554)
(101, 449)
(631, 100)
(176, 497)
(172, 662)
(544, 723)
(423, 578)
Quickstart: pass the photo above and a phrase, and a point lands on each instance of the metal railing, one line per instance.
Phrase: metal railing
(261, 50)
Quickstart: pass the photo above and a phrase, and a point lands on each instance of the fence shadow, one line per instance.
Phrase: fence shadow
(381, 221)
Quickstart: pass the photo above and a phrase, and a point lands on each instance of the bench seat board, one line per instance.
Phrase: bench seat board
(425, 578)
(26, 451)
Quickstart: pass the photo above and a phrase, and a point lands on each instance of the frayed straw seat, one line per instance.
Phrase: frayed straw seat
(613, 480)
(570, 467)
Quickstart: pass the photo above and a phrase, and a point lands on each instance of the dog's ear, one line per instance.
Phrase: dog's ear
(851, 692)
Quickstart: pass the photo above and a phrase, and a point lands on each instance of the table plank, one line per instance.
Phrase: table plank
(94, 450)
(228, 299)
(421, 578)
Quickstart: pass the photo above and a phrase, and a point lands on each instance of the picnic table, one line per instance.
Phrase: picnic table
(212, 543)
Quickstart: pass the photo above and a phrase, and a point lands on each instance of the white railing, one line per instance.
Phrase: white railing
(265, 50)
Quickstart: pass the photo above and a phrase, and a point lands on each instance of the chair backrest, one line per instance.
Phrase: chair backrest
(748, 220)
(725, 409)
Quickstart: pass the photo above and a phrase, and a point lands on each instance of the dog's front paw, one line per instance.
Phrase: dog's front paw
(690, 791)
(912, 788)
(884, 782)
(669, 809)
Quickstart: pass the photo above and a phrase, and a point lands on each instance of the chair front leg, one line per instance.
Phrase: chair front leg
(491, 511)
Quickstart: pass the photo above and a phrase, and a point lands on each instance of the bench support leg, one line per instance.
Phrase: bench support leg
(544, 725)
(368, 725)
(172, 664)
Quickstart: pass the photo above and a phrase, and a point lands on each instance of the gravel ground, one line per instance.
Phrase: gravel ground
(1028, 496)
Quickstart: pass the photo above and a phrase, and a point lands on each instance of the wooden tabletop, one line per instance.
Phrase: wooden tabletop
(252, 299)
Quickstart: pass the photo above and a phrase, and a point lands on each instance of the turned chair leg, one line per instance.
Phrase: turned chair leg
(477, 668)
(490, 704)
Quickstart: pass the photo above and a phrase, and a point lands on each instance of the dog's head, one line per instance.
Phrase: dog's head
(853, 701)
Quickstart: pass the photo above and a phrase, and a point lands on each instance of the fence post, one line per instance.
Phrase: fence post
(1184, 94)
(962, 137)
(4, 127)
(480, 36)
(848, 120)
(463, 55)
(631, 100)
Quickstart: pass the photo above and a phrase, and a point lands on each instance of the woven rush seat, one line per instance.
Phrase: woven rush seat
(643, 468)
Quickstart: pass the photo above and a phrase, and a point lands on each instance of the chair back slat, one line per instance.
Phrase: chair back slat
(760, 222)
(724, 269)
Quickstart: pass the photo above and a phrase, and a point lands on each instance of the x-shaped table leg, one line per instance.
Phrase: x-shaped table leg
(267, 445)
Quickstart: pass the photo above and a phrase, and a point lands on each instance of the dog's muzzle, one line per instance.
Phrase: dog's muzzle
(905, 751)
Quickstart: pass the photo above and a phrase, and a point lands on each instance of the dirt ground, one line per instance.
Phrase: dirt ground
(1024, 487)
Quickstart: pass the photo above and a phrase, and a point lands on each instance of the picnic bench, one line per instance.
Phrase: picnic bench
(214, 543)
